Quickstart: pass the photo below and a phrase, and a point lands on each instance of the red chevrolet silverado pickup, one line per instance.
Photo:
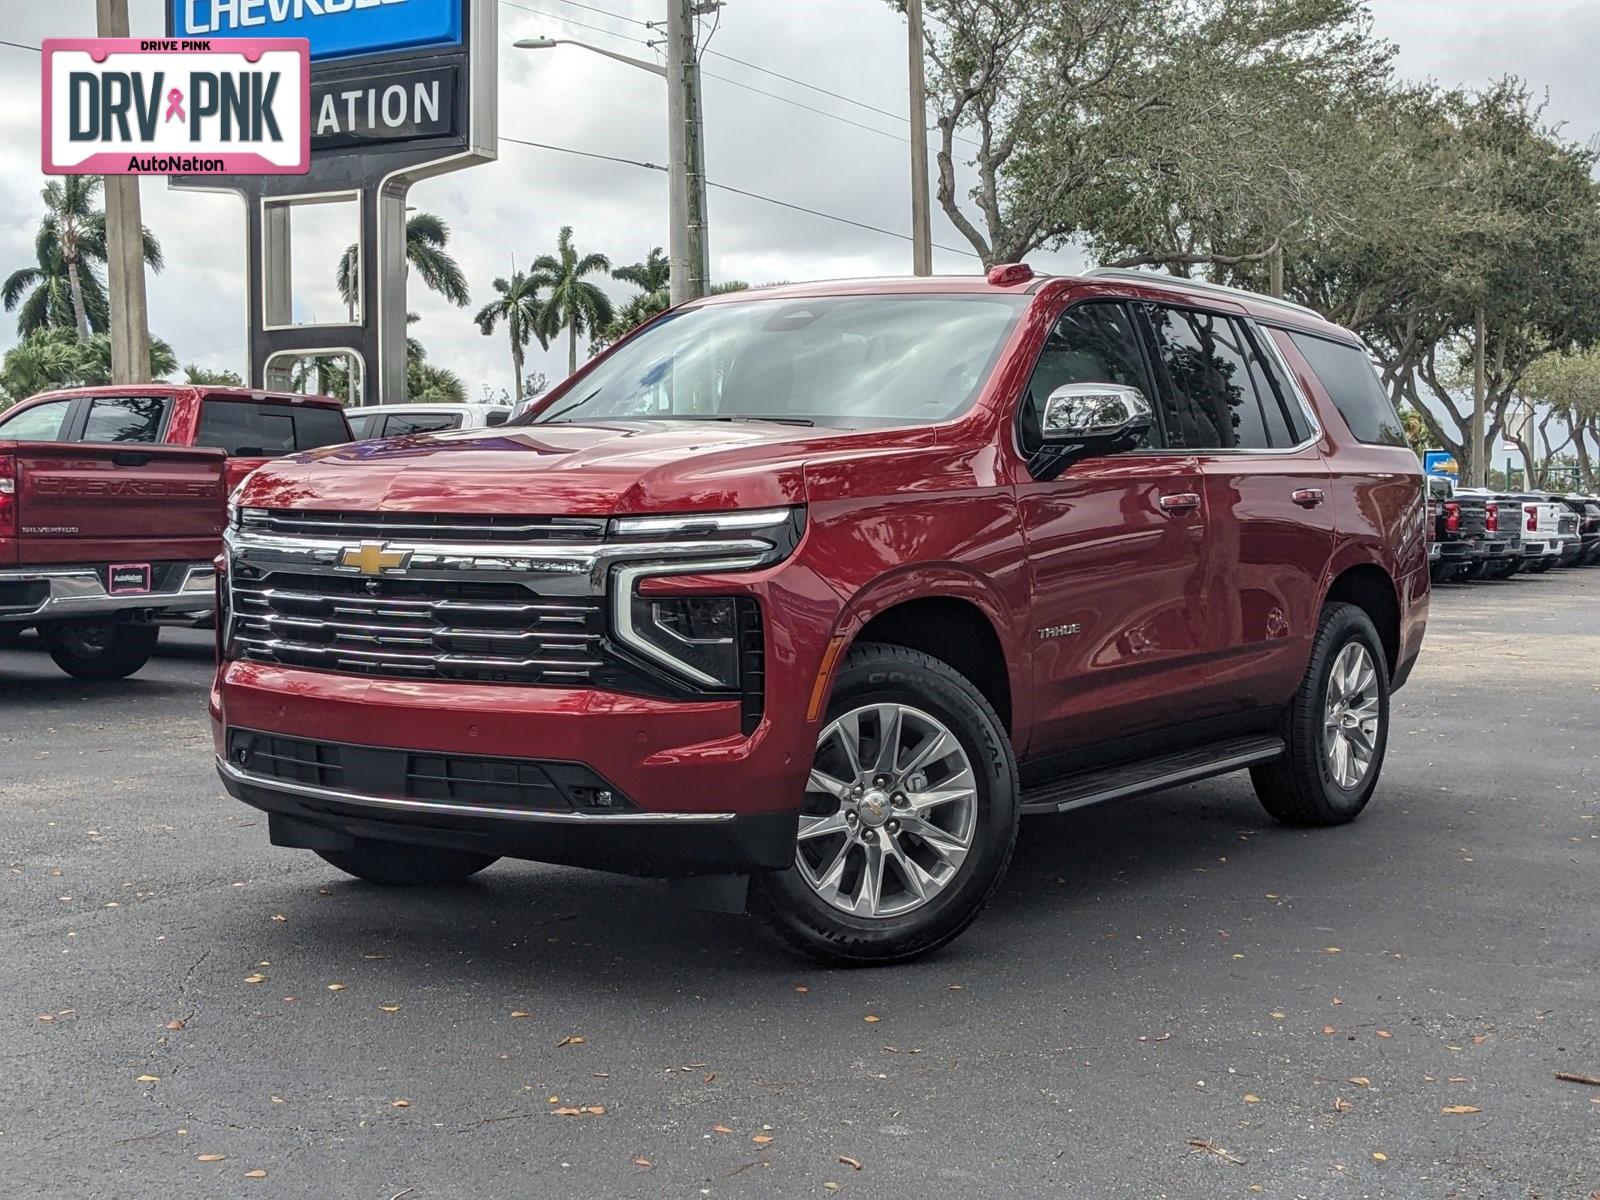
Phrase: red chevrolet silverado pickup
(112, 502)
(812, 592)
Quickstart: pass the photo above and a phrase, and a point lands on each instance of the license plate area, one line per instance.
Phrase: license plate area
(128, 579)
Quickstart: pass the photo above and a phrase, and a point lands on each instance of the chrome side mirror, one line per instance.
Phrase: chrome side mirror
(1094, 413)
(1081, 419)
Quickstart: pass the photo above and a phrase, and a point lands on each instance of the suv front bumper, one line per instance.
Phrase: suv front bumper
(688, 791)
(33, 594)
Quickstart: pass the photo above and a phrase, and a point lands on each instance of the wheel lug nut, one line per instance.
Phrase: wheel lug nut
(897, 800)
(893, 826)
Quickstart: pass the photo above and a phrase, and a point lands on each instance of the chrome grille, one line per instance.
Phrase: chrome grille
(448, 527)
(488, 632)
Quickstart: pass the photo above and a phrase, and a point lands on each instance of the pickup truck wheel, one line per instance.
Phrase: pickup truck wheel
(99, 650)
(910, 816)
(398, 865)
(1336, 729)
(1443, 572)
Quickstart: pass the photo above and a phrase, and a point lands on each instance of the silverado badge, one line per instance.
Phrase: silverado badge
(374, 558)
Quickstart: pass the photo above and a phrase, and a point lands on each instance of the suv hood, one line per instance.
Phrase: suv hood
(576, 470)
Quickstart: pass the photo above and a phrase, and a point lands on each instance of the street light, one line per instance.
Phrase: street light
(686, 177)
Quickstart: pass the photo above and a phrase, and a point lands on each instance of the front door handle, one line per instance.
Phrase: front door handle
(1307, 497)
(1179, 502)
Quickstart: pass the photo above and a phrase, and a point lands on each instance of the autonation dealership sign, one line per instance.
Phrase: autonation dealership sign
(335, 28)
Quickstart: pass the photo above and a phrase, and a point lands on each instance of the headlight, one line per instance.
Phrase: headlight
(233, 504)
(702, 639)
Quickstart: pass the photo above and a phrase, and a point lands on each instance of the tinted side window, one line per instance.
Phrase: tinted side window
(498, 417)
(1350, 380)
(316, 426)
(361, 426)
(41, 423)
(1207, 396)
(1090, 343)
(125, 419)
(400, 424)
(240, 427)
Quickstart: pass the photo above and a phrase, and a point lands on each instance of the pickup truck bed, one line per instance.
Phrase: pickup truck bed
(97, 540)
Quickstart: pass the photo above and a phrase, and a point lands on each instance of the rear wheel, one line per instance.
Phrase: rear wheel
(1475, 570)
(99, 650)
(910, 817)
(1336, 729)
(396, 864)
(1543, 565)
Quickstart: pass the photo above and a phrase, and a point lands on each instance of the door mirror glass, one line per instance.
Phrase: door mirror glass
(1099, 414)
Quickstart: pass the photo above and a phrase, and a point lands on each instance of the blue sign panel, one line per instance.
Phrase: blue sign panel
(335, 28)
(1440, 462)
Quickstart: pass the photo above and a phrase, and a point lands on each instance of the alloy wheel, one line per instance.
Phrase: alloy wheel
(1350, 719)
(891, 811)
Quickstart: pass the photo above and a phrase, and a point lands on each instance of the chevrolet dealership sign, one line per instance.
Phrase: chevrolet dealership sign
(335, 28)
(126, 106)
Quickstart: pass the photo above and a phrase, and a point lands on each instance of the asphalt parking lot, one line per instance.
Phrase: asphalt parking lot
(1169, 998)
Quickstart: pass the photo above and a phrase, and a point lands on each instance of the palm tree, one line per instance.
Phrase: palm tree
(574, 303)
(519, 307)
(208, 377)
(44, 293)
(426, 238)
(650, 276)
(71, 240)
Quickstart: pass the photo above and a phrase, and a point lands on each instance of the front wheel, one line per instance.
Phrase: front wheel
(99, 650)
(910, 815)
(1336, 729)
(396, 864)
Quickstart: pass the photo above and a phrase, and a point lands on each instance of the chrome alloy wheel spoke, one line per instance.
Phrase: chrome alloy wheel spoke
(1350, 716)
(892, 811)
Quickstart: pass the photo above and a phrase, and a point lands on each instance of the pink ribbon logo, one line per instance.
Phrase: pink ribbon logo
(175, 105)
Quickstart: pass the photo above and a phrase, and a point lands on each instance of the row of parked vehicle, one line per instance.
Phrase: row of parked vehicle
(1480, 534)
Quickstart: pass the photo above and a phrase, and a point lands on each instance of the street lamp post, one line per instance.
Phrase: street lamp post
(686, 234)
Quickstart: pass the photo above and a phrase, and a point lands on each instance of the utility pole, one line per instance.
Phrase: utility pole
(687, 169)
(130, 316)
(921, 230)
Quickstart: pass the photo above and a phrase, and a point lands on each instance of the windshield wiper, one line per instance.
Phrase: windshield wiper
(550, 420)
(774, 420)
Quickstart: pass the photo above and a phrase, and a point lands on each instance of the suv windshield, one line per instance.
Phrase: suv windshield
(850, 362)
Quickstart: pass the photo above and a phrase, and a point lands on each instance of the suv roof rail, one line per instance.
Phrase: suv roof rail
(1199, 285)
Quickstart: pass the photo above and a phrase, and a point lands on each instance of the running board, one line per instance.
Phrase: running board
(1151, 775)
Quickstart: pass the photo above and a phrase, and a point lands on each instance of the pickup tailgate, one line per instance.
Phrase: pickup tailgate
(105, 503)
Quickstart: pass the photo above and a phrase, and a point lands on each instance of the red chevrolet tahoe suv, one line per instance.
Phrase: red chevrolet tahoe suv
(812, 592)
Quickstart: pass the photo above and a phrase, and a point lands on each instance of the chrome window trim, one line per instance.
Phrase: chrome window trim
(396, 804)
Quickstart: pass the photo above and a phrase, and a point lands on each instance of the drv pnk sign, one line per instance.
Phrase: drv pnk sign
(130, 106)
(335, 28)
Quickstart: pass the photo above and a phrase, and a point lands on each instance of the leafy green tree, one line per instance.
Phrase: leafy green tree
(426, 239)
(206, 377)
(1567, 388)
(574, 303)
(518, 306)
(57, 358)
(70, 244)
(651, 275)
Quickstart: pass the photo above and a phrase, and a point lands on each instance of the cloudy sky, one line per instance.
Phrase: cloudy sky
(851, 163)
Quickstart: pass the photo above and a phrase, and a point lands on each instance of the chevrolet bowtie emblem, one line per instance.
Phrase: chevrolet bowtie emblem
(374, 558)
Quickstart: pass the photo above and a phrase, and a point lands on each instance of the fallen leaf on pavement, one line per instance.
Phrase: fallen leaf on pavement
(519, 1013)
(209, 1157)
(1573, 1077)
(1202, 1146)
(1329, 1030)
(256, 978)
(389, 1007)
(761, 1139)
(1249, 1099)
(1162, 1038)
(720, 1129)
(1277, 1016)
(1384, 1033)
(643, 1162)
(279, 917)
(570, 1040)
(174, 1025)
(148, 1079)
(258, 1173)
(336, 987)
(853, 1163)
(1457, 1079)
(1340, 1104)
(1360, 1080)
(400, 1104)
(1380, 1156)
(871, 1019)
(802, 988)
(1456, 1110)
(1333, 950)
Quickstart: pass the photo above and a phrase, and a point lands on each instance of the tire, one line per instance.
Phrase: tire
(99, 650)
(1442, 572)
(395, 864)
(1543, 565)
(913, 695)
(11, 636)
(1301, 788)
(1475, 570)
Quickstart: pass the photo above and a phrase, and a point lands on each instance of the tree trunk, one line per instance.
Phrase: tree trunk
(1581, 449)
(79, 313)
(516, 367)
(572, 347)
(1478, 474)
(1275, 272)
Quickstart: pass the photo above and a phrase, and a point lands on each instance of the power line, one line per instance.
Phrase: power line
(725, 187)
(797, 104)
(20, 46)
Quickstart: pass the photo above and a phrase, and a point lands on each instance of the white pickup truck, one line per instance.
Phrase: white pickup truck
(1542, 539)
